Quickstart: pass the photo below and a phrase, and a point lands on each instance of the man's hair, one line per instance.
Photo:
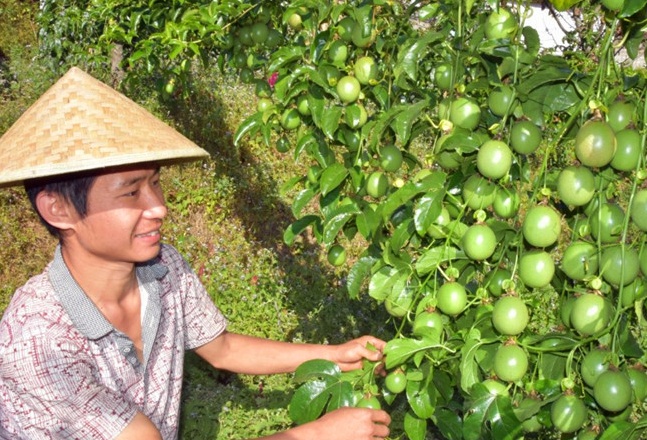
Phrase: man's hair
(73, 189)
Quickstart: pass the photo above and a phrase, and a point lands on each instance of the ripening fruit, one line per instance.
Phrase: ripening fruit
(390, 158)
(541, 226)
(465, 113)
(500, 24)
(590, 314)
(620, 113)
(595, 144)
(336, 255)
(494, 159)
(365, 70)
(451, 298)
(348, 89)
(479, 242)
(510, 315)
(639, 210)
(576, 185)
(510, 363)
(612, 390)
(536, 268)
(525, 137)
(568, 413)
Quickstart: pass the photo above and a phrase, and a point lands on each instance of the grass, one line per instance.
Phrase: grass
(227, 218)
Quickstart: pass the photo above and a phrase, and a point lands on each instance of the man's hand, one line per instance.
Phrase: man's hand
(349, 356)
(341, 424)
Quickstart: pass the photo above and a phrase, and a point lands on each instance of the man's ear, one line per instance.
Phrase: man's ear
(55, 210)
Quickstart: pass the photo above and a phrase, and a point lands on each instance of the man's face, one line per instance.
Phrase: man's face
(124, 216)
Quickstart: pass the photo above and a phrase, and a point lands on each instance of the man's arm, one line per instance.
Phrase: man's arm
(140, 428)
(252, 355)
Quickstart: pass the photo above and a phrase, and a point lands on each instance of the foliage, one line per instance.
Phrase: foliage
(503, 203)
(447, 78)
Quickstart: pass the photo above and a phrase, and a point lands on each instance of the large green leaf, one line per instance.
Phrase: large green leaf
(503, 422)
(334, 225)
(298, 227)
(469, 366)
(249, 126)
(302, 199)
(382, 282)
(414, 426)
(404, 120)
(632, 7)
(432, 258)
(625, 430)
(398, 351)
(422, 396)
(358, 273)
(332, 177)
(564, 5)
(322, 387)
(449, 423)
(427, 209)
(410, 54)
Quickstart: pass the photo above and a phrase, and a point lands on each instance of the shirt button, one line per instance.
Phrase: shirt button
(127, 350)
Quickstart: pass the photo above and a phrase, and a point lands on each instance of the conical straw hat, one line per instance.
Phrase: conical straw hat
(81, 124)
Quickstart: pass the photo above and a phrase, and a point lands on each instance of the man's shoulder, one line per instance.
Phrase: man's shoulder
(34, 307)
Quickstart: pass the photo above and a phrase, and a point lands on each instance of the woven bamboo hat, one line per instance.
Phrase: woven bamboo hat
(81, 124)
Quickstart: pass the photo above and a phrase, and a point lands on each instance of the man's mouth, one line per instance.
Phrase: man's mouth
(149, 234)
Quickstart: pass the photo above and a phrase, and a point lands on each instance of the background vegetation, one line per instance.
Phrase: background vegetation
(415, 167)
(227, 218)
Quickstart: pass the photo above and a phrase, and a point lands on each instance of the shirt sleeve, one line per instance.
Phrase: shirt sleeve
(49, 390)
(203, 320)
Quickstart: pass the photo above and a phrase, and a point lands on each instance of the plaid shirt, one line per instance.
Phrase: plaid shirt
(67, 373)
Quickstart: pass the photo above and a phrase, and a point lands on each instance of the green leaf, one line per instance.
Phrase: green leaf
(368, 222)
(449, 423)
(290, 184)
(632, 7)
(304, 142)
(382, 282)
(422, 396)
(410, 54)
(623, 430)
(357, 274)
(251, 125)
(332, 177)
(564, 5)
(302, 199)
(434, 257)
(415, 427)
(427, 209)
(322, 386)
(316, 369)
(298, 227)
(285, 55)
(503, 422)
(398, 351)
(476, 411)
(309, 401)
(334, 225)
(403, 122)
(469, 366)
(330, 121)
(402, 234)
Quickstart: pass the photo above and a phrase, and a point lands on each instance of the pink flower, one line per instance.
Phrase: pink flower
(273, 79)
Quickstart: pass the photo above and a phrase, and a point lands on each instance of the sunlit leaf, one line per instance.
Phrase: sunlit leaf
(415, 427)
(332, 177)
(358, 273)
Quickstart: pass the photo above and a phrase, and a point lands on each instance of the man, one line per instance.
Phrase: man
(92, 348)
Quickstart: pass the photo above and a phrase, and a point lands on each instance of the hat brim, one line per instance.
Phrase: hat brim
(81, 124)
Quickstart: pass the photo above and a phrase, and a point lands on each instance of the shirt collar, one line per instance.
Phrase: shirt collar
(85, 315)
